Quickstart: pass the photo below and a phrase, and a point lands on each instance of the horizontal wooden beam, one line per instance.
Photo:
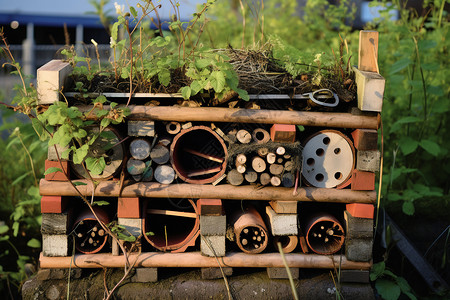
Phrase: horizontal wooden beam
(196, 260)
(197, 191)
(240, 115)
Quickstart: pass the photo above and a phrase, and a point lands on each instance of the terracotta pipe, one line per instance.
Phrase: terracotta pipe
(240, 115)
(195, 150)
(223, 191)
(89, 236)
(288, 242)
(250, 230)
(324, 234)
(172, 230)
(196, 260)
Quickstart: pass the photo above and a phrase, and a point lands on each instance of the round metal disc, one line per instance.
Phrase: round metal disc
(328, 159)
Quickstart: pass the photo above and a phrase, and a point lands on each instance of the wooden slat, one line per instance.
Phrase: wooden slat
(172, 213)
(368, 51)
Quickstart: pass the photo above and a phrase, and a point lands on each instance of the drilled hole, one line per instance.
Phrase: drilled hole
(259, 136)
(319, 177)
(337, 150)
(326, 140)
(338, 175)
(310, 161)
(173, 127)
(320, 152)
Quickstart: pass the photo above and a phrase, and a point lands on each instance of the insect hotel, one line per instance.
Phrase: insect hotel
(221, 187)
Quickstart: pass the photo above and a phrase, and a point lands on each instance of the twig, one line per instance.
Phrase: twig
(291, 280)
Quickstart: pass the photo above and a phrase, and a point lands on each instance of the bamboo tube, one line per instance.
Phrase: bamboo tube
(223, 191)
(239, 115)
(173, 127)
(196, 260)
(260, 136)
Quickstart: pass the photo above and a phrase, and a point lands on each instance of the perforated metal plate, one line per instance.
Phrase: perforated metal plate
(328, 159)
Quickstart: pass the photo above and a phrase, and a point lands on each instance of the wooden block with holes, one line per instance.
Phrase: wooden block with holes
(128, 208)
(282, 133)
(210, 207)
(362, 181)
(50, 81)
(53, 204)
(368, 160)
(56, 176)
(369, 90)
(284, 207)
(365, 139)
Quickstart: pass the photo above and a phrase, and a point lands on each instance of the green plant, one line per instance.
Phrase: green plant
(389, 285)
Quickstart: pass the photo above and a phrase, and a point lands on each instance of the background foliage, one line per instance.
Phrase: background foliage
(413, 57)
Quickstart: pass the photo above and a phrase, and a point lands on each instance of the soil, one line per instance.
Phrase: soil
(188, 284)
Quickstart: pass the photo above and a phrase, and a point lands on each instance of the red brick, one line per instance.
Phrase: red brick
(128, 208)
(282, 133)
(53, 204)
(362, 181)
(365, 139)
(56, 176)
(210, 207)
(360, 210)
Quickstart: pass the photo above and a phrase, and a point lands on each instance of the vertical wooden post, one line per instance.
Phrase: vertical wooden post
(368, 51)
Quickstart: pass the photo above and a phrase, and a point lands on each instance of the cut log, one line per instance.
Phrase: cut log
(263, 151)
(173, 127)
(260, 136)
(288, 180)
(271, 157)
(275, 181)
(258, 164)
(235, 178)
(140, 149)
(281, 150)
(289, 165)
(251, 176)
(264, 178)
(160, 154)
(280, 160)
(276, 169)
(368, 51)
(241, 168)
(243, 136)
(135, 167)
(241, 159)
(164, 174)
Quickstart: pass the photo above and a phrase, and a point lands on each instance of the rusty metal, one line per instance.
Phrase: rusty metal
(250, 230)
(90, 237)
(172, 229)
(324, 233)
(198, 155)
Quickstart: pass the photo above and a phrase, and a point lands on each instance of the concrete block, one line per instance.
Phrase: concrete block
(282, 224)
(128, 208)
(282, 133)
(370, 90)
(368, 160)
(212, 245)
(358, 227)
(132, 226)
(281, 273)
(145, 275)
(358, 249)
(51, 152)
(216, 273)
(55, 223)
(365, 139)
(56, 176)
(141, 128)
(50, 81)
(55, 245)
(355, 276)
(53, 204)
(213, 225)
(362, 181)
(210, 207)
(284, 207)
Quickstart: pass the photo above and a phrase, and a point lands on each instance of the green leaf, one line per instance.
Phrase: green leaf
(408, 208)
(78, 183)
(185, 92)
(217, 80)
(95, 165)
(100, 203)
(394, 197)
(405, 120)
(431, 147)
(164, 77)
(105, 122)
(21, 177)
(100, 99)
(408, 145)
(52, 170)
(243, 94)
(202, 63)
(80, 153)
(34, 243)
(377, 270)
(387, 289)
(196, 87)
(405, 287)
(133, 11)
(4, 229)
(125, 73)
(149, 233)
